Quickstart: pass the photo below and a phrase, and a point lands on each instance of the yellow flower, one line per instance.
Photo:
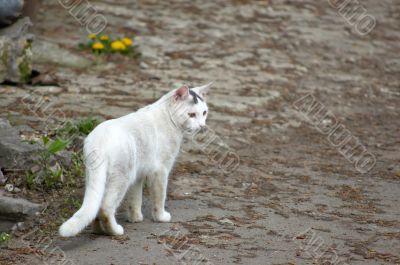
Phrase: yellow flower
(92, 36)
(118, 46)
(97, 46)
(127, 41)
(104, 37)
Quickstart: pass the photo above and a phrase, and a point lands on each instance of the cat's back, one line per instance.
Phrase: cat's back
(114, 126)
(102, 132)
(134, 125)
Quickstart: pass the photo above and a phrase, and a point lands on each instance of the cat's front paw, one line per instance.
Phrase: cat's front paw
(163, 217)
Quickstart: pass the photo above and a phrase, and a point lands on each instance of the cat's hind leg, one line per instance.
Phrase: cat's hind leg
(96, 226)
(115, 192)
(158, 192)
(109, 223)
(134, 201)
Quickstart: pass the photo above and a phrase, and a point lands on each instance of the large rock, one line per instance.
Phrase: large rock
(10, 10)
(16, 52)
(45, 52)
(15, 153)
(17, 208)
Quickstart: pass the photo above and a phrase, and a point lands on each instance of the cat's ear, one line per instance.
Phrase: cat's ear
(181, 93)
(202, 91)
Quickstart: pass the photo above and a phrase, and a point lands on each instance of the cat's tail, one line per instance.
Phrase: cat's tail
(95, 186)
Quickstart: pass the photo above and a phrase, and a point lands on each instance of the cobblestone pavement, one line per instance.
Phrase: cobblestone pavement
(294, 199)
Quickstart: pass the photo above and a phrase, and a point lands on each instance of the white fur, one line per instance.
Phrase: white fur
(121, 153)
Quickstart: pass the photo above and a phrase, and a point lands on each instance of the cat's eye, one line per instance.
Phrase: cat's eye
(204, 113)
(192, 115)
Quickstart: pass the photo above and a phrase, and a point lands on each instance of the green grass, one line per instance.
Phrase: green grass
(75, 203)
(53, 174)
(80, 128)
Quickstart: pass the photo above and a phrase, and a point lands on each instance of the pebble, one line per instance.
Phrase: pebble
(143, 65)
(226, 221)
(9, 187)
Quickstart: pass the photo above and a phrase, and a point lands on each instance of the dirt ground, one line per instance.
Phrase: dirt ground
(294, 198)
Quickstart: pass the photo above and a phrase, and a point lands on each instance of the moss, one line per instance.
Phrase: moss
(25, 65)
(5, 57)
(28, 44)
(24, 70)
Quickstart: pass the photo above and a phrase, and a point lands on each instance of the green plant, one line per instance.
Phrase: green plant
(75, 170)
(81, 128)
(67, 130)
(73, 202)
(52, 178)
(4, 237)
(85, 126)
(30, 180)
(57, 145)
(53, 174)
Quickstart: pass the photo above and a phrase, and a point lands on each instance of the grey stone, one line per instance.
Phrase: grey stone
(9, 187)
(143, 65)
(13, 151)
(2, 178)
(10, 10)
(16, 52)
(17, 208)
(20, 226)
(48, 52)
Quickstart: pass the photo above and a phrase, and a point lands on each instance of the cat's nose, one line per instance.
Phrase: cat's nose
(203, 128)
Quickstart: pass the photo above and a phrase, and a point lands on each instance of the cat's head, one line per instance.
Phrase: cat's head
(188, 108)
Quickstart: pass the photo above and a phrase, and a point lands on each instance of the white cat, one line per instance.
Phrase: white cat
(121, 153)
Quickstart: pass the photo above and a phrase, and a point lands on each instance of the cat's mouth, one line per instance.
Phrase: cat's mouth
(202, 129)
